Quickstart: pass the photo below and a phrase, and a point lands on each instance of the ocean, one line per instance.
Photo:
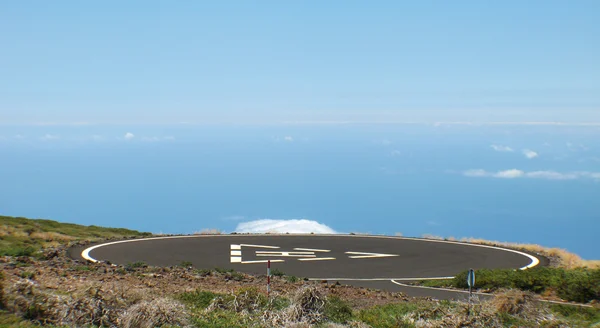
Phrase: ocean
(516, 183)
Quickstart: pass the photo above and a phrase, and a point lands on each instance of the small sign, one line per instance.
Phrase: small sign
(471, 278)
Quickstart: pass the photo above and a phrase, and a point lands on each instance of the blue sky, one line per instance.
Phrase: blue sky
(272, 61)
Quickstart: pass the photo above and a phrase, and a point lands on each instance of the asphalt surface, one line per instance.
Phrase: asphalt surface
(368, 261)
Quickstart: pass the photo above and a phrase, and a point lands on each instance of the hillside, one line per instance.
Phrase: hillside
(40, 285)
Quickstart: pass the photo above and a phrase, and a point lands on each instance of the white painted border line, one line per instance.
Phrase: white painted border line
(381, 279)
(86, 252)
(261, 261)
(436, 288)
(534, 260)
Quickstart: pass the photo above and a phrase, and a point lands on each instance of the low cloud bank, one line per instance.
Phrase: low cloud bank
(548, 175)
(283, 226)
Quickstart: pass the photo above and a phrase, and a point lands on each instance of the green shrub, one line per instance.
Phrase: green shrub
(291, 279)
(389, 315)
(2, 300)
(576, 313)
(222, 270)
(18, 250)
(277, 273)
(82, 268)
(337, 310)
(575, 285)
(197, 299)
(135, 265)
(186, 264)
(27, 275)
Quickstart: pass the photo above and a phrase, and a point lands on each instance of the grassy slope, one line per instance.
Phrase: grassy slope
(21, 236)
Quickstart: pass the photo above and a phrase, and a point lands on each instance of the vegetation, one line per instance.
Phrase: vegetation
(132, 298)
(575, 285)
(558, 256)
(25, 237)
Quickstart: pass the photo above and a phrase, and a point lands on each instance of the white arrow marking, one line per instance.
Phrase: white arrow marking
(363, 255)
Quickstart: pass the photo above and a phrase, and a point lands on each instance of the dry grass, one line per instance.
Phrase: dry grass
(156, 313)
(306, 309)
(51, 236)
(514, 302)
(208, 232)
(430, 236)
(559, 257)
(12, 231)
(564, 258)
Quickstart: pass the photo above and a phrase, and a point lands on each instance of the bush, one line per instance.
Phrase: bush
(292, 279)
(575, 285)
(389, 315)
(576, 313)
(2, 301)
(186, 264)
(512, 302)
(18, 251)
(198, 298)
(135, 265)
(337, 310)
(156, 313)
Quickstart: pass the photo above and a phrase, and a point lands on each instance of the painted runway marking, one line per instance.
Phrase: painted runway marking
(317, 259)
(259, 246)
(363, 255)
(286, 254)
(312, 250)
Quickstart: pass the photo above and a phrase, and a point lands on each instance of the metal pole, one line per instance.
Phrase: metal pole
(470, 294)
(268, 277)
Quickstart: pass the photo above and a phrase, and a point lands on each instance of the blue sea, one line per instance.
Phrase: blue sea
(516, 183)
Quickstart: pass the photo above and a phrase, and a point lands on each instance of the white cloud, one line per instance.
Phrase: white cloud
(129, 136)
(546, 175)
(530, 153)
(501, 148)
(283, 226)
(385, 142)
(288, 138)
(395, 153)
(509, 174)
(476, 173)
(49, 137)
